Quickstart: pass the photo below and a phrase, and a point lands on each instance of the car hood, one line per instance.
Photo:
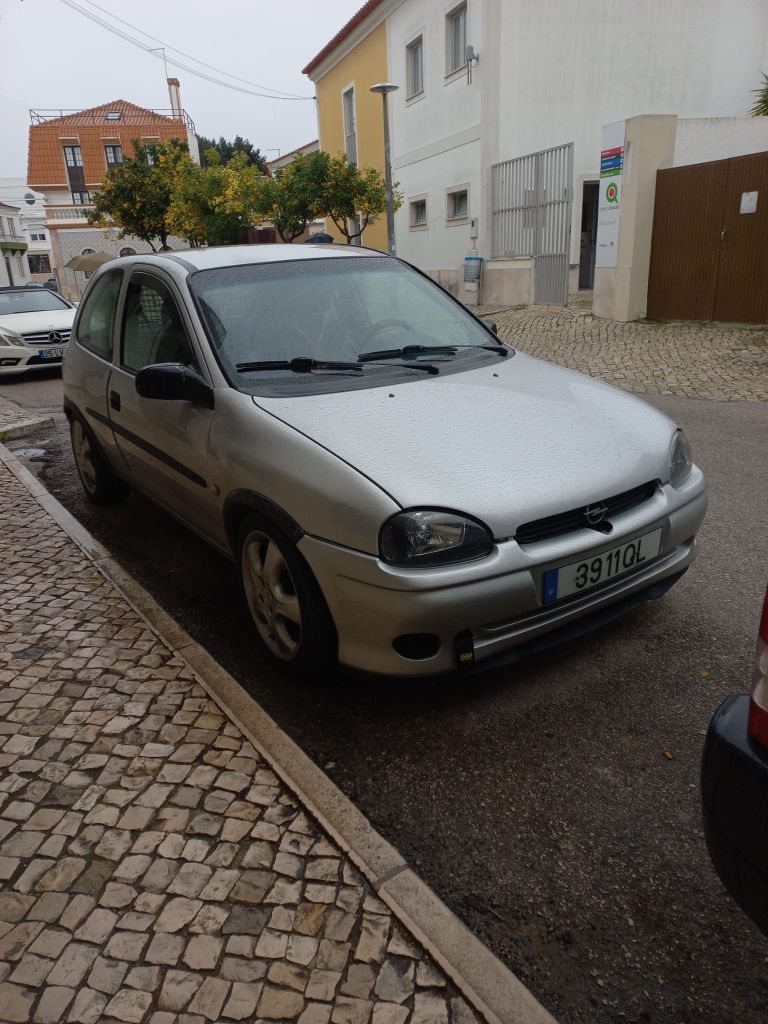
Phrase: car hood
(508, 443)
(40, 320)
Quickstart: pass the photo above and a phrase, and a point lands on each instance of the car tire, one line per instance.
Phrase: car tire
(100, 484)
(287, 607)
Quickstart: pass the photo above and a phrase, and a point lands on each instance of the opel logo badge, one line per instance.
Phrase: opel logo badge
(54, 336)
(595, 514)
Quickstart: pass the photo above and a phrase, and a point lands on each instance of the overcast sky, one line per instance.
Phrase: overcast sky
(51, 56)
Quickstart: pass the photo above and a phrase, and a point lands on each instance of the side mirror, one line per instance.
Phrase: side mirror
(174, 382)
(492, 326)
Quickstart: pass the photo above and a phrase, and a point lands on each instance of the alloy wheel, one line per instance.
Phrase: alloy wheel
(271, 594)
(81, 448)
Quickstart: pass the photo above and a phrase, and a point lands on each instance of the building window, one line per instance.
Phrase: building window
(74, 156)
(81, 198)
(20, 265)
(39, 263)
(418, 209)
(114, 155)
(37, 235)
(9, 222)
(113, 115)
(414, 59)
(456, 39)
(458, 204)
(350, 129)
(127, 251)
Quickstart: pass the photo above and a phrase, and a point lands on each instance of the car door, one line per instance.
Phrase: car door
(164, 442)
(88, 362)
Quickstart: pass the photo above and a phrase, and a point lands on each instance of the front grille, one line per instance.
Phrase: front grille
(43, 337)
(575, 519)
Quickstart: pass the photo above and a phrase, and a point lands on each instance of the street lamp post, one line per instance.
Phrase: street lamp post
(384, 88)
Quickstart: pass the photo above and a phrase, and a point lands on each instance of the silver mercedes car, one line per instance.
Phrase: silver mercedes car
(401, 491)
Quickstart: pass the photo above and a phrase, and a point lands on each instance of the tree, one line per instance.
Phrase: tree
(226, 150)
(292, 199)
(135, 195)
(354, 194)
(760, 106)
(214, 205)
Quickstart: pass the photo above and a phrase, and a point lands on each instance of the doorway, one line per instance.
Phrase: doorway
(589, 203)
(8, 268)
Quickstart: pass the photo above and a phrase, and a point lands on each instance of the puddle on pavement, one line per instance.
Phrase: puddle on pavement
(33, 454)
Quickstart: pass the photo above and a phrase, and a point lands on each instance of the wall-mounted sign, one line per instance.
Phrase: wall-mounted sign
(748, 202)
(609, 205)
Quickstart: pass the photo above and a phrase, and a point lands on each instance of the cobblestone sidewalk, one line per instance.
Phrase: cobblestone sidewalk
(724, 362)
(152, 867)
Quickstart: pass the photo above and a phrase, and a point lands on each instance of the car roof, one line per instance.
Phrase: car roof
(242, 255)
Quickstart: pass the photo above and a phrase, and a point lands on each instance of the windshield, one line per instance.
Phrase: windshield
(30, 300)
(332, 310)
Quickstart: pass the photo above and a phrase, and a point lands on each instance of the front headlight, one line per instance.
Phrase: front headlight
(426, 538)
(9, 337)
(680, 459)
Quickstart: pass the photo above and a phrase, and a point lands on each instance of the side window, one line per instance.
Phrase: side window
(97, 318)
(153, 331)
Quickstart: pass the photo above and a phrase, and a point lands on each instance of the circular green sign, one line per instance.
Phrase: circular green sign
(612, 193)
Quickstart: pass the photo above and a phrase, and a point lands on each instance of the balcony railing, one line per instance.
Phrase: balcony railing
(67, 212)
(85, 118)
(11, 236)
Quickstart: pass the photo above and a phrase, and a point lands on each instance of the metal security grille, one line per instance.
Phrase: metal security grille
(531, 216)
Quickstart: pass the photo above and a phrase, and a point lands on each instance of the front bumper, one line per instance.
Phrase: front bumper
(734, 799)
(494, 605)
(23, 359)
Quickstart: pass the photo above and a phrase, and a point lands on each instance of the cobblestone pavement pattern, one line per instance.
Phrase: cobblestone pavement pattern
(11, 414)
(153, 869)
(723, 362)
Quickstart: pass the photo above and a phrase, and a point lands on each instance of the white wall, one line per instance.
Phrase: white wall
(716, 138)
(435, 136)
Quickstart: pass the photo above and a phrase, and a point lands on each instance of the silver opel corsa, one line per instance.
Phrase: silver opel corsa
(400, 491)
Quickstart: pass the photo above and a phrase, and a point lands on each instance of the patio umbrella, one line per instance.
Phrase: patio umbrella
(92, 261)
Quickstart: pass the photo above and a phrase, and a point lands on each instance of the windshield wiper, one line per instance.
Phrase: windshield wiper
(303, 364)
(414, 350)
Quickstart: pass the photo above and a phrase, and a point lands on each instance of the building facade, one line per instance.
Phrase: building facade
(31, 207)
(69, 153)
(13, 248)
(349, 115)
(497, 123)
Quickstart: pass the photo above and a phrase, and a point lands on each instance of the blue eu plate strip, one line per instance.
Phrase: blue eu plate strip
(550, 585)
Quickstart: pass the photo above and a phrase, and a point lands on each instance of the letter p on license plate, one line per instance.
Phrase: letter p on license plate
(593, 570)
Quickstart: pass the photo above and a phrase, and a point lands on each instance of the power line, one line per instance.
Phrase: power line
(176, 63)
(220, 71)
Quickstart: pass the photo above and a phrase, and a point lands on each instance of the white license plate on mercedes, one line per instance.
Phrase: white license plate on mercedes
(51, 353)
(591, 572)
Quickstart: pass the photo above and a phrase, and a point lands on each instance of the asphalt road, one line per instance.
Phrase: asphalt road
(554, 806)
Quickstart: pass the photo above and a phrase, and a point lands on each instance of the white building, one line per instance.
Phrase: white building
(13, 248)
(543, 74)
(31, 208)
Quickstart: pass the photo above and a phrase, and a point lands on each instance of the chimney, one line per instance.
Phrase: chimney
(173, 90)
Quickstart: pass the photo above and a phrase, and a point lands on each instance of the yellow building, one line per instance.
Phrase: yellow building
(350, 117)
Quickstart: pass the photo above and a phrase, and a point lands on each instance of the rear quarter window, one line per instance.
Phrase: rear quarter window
(96, 325)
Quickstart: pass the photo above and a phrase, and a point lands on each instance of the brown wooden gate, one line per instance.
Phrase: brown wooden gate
(709, 254)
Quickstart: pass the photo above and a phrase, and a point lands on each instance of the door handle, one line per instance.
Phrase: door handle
(114, 400)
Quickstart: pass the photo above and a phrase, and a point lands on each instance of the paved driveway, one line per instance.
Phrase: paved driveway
(724, 362)
(555, 805)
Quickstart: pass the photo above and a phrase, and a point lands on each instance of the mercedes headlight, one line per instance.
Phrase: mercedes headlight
(680, 459)
(9, 337)
(426, 538)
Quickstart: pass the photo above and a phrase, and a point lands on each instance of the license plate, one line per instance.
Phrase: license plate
(51, 353)
(590, 572)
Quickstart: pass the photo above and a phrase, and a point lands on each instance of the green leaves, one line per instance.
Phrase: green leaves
(760, 106)
(161, 191)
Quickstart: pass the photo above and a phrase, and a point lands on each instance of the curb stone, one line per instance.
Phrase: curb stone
(25, 427)
(490, 987)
